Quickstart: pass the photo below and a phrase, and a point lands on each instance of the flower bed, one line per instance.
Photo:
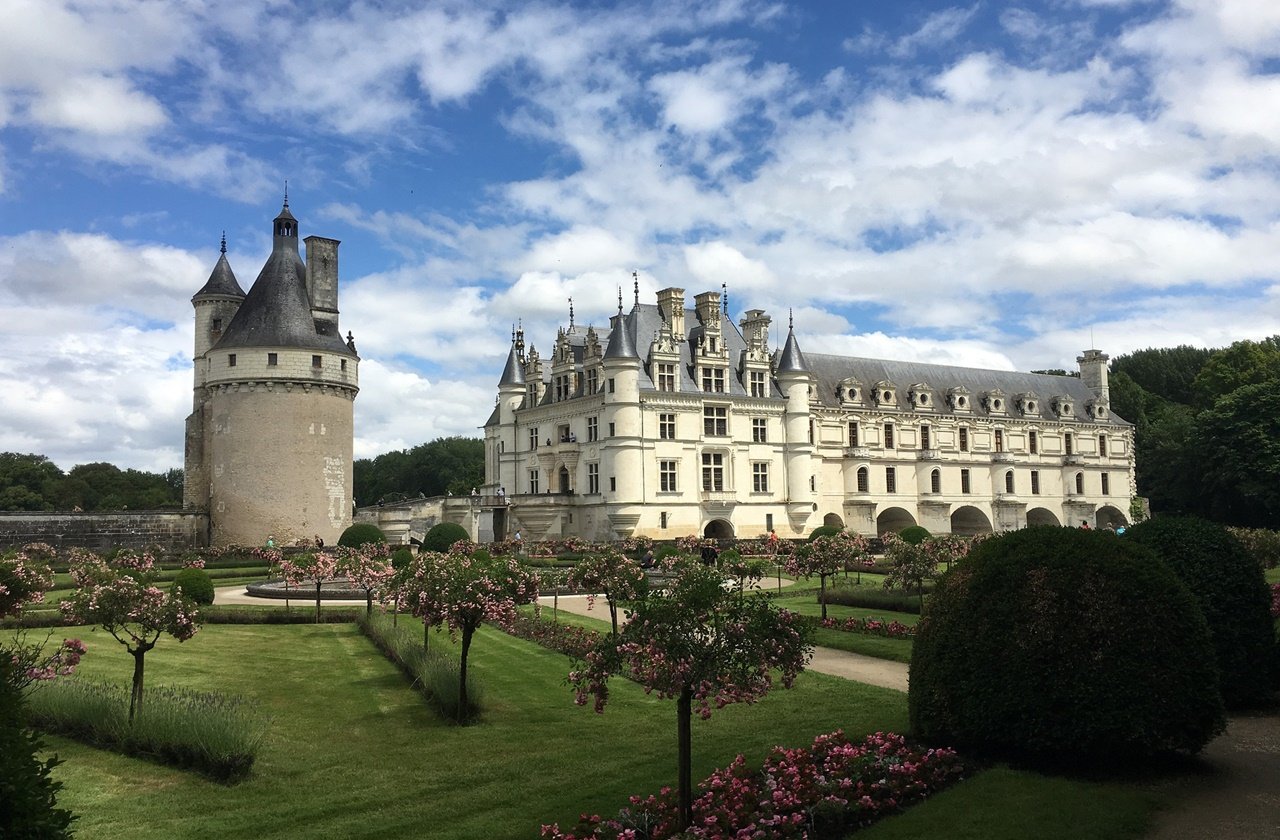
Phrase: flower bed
(823, 791)
(870, 626)
(565, 638)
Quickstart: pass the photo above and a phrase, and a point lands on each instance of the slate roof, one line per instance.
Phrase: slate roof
(513, 373)
(222, 281)
(792, 360)
(277, 310)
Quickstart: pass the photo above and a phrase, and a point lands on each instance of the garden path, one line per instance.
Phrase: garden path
(1236, 796)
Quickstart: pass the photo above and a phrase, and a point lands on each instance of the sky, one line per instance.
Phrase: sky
(988, 184)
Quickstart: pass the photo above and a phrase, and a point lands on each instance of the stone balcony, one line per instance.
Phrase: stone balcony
(1072, 460)
(857, 452)
(1001, 457)
(930, 455)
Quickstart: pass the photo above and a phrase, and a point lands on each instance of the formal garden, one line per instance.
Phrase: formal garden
(442, 697)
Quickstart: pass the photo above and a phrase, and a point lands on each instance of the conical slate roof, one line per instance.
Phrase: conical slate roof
(513, 373)
(792, 360)
(222, 282)
(277, 310)
(621, 344)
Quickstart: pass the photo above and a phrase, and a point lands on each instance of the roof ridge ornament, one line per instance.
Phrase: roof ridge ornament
(224, 243)
(635, 284)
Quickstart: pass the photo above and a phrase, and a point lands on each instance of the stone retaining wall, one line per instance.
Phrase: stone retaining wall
(173, 531)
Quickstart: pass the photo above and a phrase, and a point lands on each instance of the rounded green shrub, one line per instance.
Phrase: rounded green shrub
(195, 584)
(1064, 647)
(443, 535)
(402, 558)
(914, 534)
(824, 531)
(362, 533)
(1232, 592)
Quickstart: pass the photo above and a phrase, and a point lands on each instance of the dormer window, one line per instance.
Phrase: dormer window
(995, 401)
(1062, 406)
(1028, 403)
(958, 398)
(884, 393)
(1096, 409)
(849, 390)
(921, 396)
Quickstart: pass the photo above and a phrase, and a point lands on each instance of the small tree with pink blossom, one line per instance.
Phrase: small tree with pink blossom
(827, 556)
(701, 643)
(310, 569)
(421, 587)
(369, 568)
(911, 565)
(121, 601)
(25, 575)
(611, 573)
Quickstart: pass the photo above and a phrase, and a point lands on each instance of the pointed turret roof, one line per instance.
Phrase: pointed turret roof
(792, 360)
(621, 345)
(222, 282)
(277, 310)
(513, 373)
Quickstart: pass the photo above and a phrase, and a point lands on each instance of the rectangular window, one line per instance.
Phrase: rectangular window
(999, 440)
(888, 436)
(1033, 443)
(1068, 444)
(533, 437)
(768, 521)
(1035, 482)
(593, 429)
(662, 520)
(343, 363)
(1008, 482)
(757, 384)
(667, 426)
(231, 360)
(713, 471)
(713, 380)
(1102, 446)
(533, 481)
(964, 439)
(890, 480)
(611, 385)
(317, 361)
(964, 482)
(667, 476)
(217, 325)
(273, 359)
(593, 478)
(760, 477)
(715, 420)
(759, 430)
(593, 381)
(611, 430)
(853, 434)
(666, 377)
(1106, 484)
(613, 484)
(924, 438)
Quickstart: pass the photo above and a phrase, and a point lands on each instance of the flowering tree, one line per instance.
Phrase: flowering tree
(827, 556)
(420, 585)
(368, 567)
(747, 571)
(310, 569)
(612, 574)
(121, 601)
(473, 589)
(911, 564)
(25, 576)
(702, 644)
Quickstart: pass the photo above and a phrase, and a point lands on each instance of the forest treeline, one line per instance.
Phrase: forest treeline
(445, 465)
(33, 482)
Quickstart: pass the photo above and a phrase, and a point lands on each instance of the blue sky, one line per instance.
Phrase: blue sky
(987, 184)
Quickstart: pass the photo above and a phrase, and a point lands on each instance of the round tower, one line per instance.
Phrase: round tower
(796, 382)
(279, 396)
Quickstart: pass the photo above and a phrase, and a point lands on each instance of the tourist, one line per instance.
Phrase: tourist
(271, 541)
(1084, 525)
(646, 562)
(319, 541)
(773, 541)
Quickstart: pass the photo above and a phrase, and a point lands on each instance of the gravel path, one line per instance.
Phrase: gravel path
(1237, 794)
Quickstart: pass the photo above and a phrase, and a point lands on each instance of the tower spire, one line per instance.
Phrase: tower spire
(224, 242)
(635, 285)
(570, 313)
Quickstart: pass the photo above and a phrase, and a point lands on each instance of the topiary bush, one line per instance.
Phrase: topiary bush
(443, 535)
(402, 558)
(1232, 592)
(824, 531)
(914, 534)
(195, 584)
(362, 533)
(1064, 647)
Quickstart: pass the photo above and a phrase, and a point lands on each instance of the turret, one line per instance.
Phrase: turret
(1093, 373)
(796, 384)
(623, 450)
(215, 305)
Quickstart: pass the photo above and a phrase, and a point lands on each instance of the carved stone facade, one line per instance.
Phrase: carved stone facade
(269, 441)
(706, 429)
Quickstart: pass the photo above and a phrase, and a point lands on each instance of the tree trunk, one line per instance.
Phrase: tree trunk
(463, 710)
(368, 603)
(318, 601)
(613, 615)
(135, 696)
(822, 594)
(426, 635)
(395, 616)
(684, 750)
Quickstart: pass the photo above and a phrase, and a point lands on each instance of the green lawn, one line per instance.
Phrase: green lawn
(898, 650)
(353, 751)
(1273, 575)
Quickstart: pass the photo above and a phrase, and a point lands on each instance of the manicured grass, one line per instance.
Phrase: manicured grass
(353, 751)
(1007, 804)
(897, 650)
(1273, 575)
(808, 605)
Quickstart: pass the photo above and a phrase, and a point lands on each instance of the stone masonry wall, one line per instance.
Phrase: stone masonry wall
(173, 531)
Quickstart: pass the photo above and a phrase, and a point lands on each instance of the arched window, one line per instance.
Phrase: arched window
(935, 481)
(862, 479)
(1008, 482)
(1080, 483)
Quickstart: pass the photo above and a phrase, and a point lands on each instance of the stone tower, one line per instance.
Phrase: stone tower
(270, 436)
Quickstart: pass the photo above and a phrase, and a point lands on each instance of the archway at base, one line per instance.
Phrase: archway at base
(832, 520)
(1042, 516)
(968, 520)
(894, 519)
(1108, 515)
(718, 529)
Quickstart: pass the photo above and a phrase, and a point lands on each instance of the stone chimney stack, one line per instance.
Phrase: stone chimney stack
(322, 282)
(671, 305)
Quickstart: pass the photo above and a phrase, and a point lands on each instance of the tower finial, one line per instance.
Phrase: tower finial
(724, 296)
(635, 283)
(570, 313)
(791, 319)
(619, 300)
(286, 192)
(224, 242)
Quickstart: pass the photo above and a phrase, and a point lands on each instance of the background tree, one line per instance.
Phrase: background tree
(911, 564)
(122, 602)
(1168, 373)
(27, 481)
(368, 567)
(452, 464)
(1240, 437)
(609, 572)
(825, 556)
(311, 568)
(1231, 368)
(701, 644)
